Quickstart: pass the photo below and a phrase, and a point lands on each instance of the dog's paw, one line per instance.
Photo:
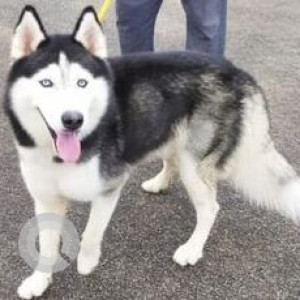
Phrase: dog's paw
(88, 260)
(154, 185)
(35, 285)
(187, 254)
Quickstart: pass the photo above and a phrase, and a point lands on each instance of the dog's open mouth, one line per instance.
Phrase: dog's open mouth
(66, 143)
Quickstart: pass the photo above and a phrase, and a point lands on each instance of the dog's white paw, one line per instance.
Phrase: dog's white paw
(35, 285)
(154, 185)
(87, 260)
(187, 254)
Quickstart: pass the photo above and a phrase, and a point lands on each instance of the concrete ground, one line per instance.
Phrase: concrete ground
(251, 253)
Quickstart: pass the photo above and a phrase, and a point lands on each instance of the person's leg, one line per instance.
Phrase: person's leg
(206, 25)
(135, 23)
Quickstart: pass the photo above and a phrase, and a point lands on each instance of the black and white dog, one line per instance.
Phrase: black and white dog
(82, 121)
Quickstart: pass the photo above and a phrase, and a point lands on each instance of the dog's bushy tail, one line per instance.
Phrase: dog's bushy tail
(261, 172)
(271, 182)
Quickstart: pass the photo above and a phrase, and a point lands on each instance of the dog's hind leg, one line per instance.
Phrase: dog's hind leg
(200, 183)
(163, 179)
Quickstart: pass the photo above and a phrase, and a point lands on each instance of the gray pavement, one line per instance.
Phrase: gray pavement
(251, 253)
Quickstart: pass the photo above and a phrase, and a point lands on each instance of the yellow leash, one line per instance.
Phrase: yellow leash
(103, 10)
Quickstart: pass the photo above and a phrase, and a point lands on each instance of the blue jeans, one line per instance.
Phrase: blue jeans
(206, 24)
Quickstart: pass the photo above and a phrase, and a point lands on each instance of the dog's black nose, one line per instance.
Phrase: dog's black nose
(72, 120)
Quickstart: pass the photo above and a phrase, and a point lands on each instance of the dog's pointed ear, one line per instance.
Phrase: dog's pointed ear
(88, 32)
(29, 33)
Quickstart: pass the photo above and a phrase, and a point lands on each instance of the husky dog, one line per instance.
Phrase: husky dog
(82, 121)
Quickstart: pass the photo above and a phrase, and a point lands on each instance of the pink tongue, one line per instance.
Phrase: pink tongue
(68, 146)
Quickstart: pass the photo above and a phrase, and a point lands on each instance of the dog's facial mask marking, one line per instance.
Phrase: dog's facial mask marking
(68, 104)
(74, 91)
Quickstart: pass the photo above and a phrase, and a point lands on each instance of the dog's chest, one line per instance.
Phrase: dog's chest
(80, 182)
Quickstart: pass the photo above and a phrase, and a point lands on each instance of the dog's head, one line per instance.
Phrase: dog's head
(58, 85)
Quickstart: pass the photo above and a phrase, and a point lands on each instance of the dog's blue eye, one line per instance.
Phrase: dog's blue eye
(46, 83)
(82, 83)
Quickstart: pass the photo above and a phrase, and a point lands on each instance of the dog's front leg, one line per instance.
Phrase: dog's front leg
(102, 209)
(37, 283)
